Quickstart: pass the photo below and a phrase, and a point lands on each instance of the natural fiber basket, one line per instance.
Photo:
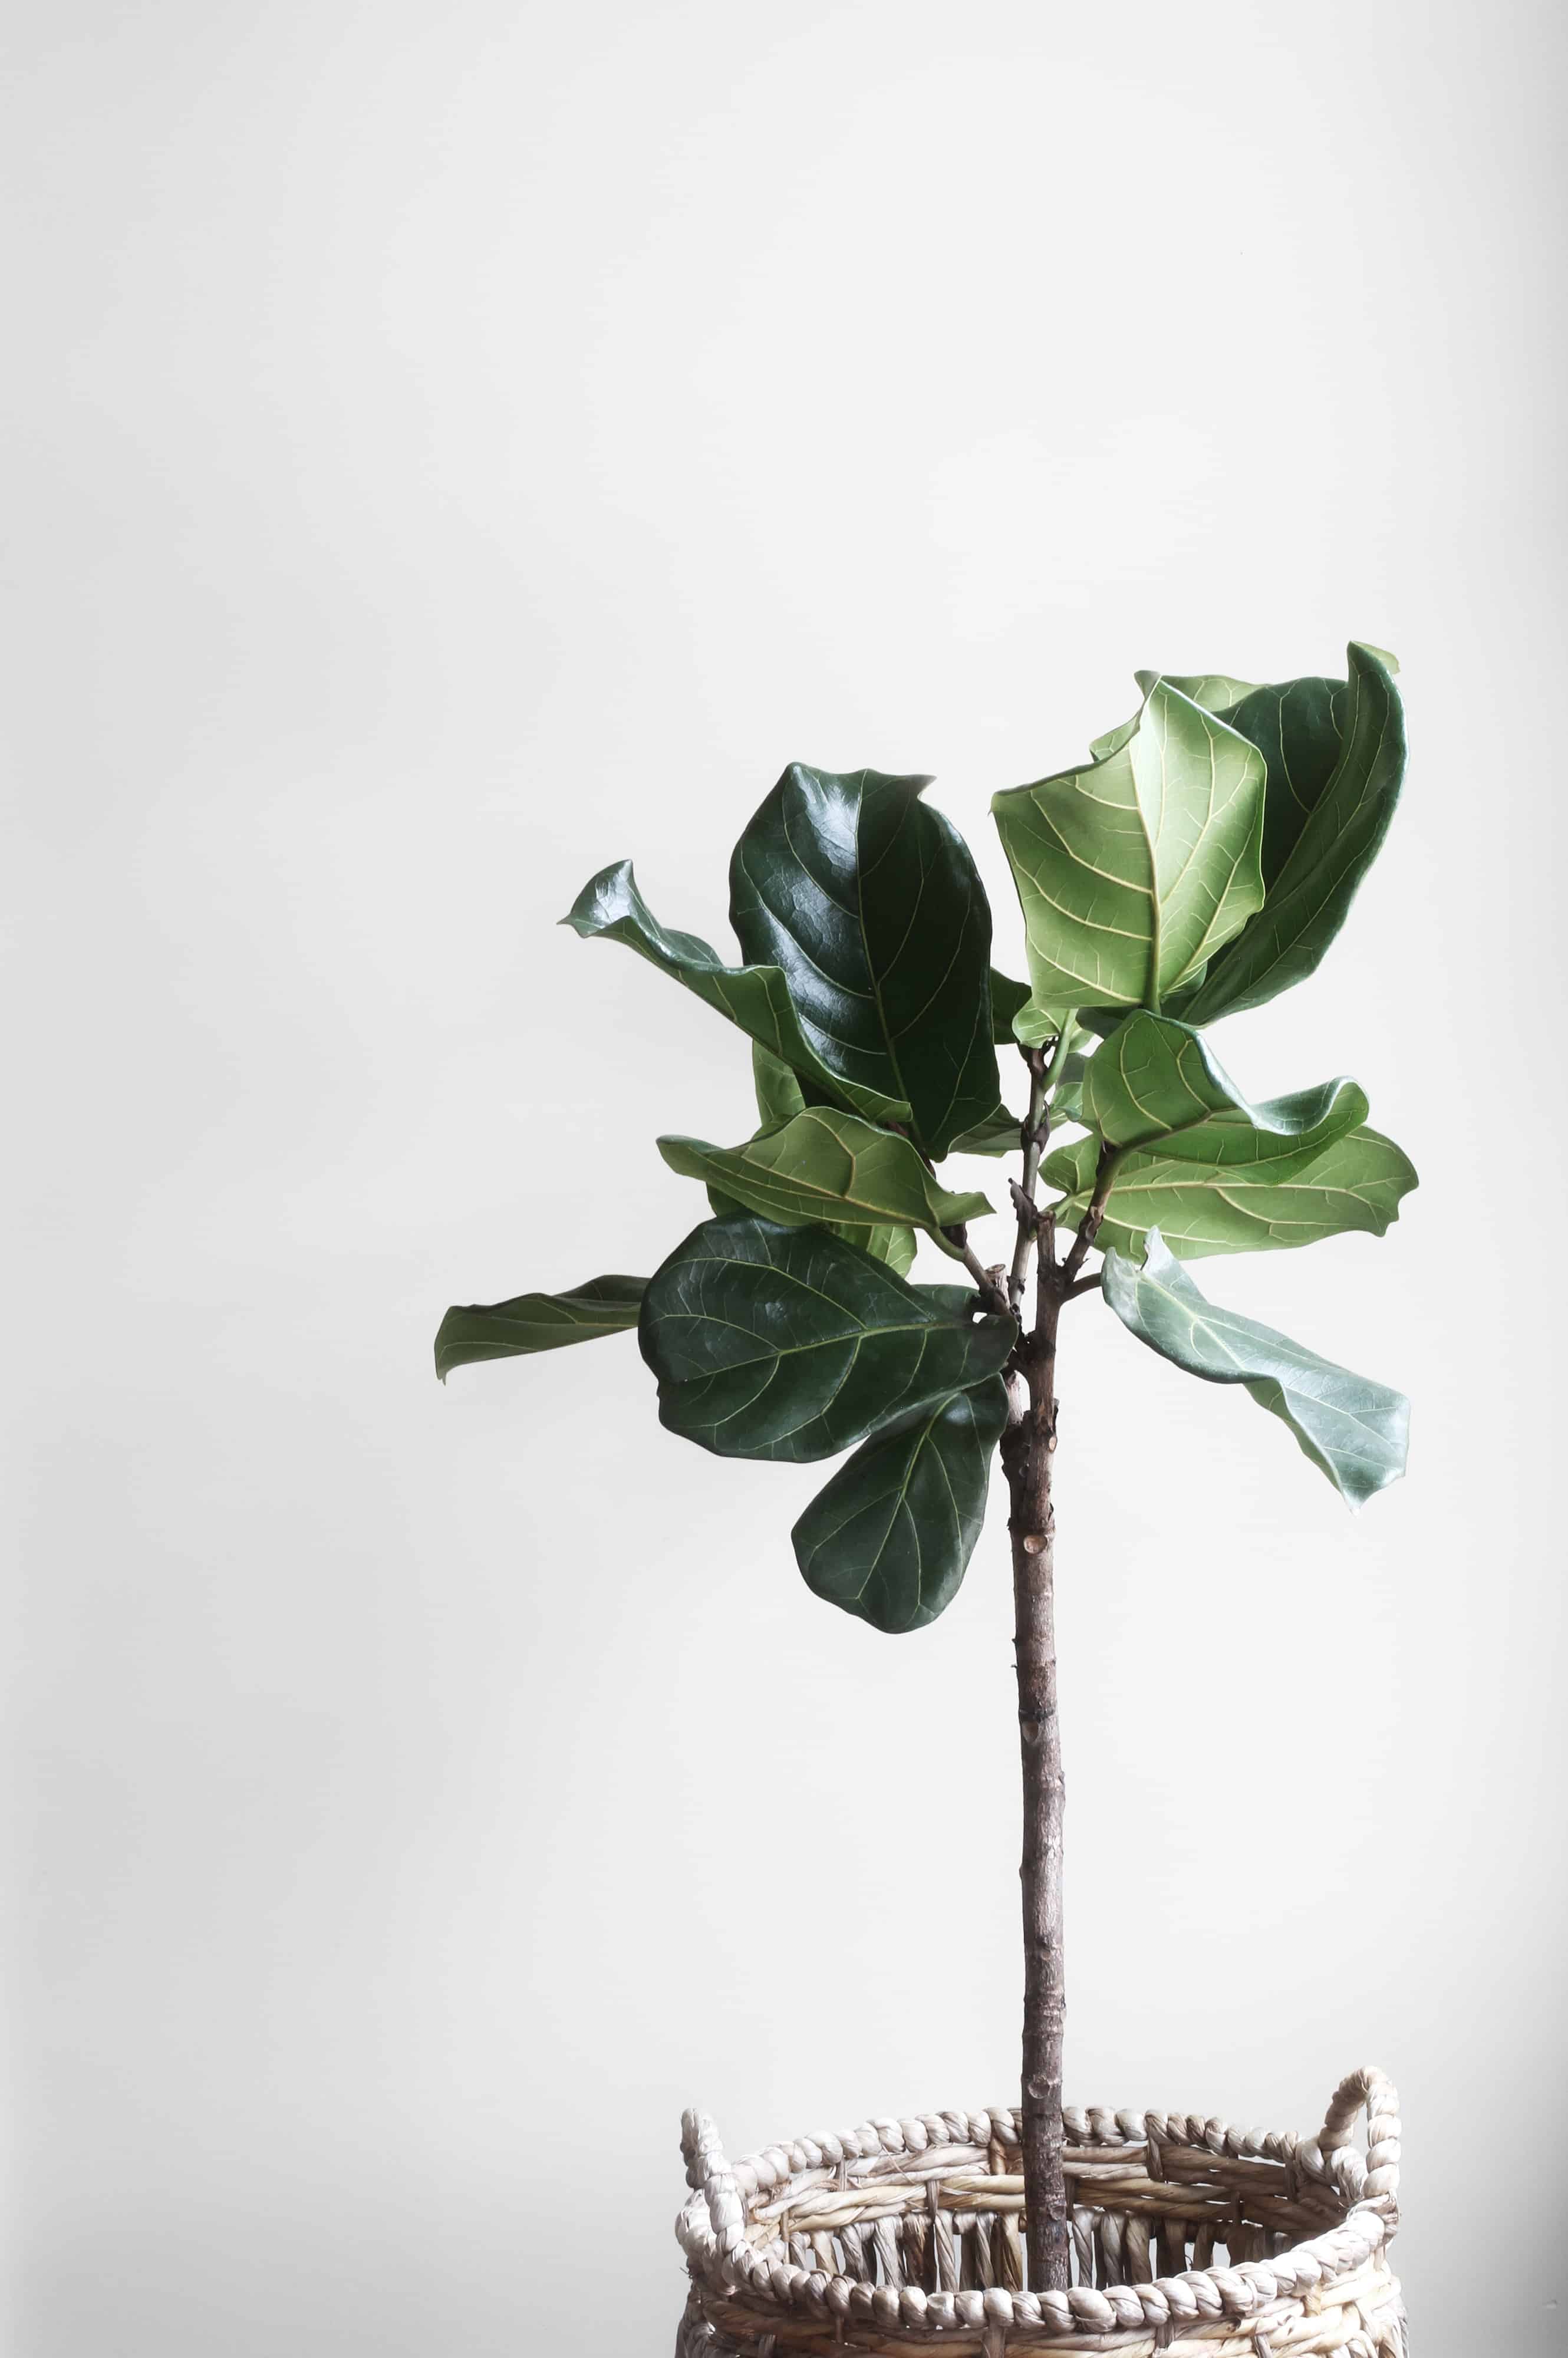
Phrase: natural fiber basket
(1188, 2235)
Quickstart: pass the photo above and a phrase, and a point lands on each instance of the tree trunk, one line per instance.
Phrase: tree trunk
(1027, 1450)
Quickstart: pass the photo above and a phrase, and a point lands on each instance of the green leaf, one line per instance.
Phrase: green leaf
(779, 1095)
(1355, 1431)
(1133, 872)
(1009, 998)
(788, 1342)
(890, 1537)
(998, 1134)
(871, 906)
(885, 1242)
(828, 1167)
(1275, 1195)
(1157, 1079)
(1211, 689)
(536, 1321)
(756, 998)
(1329, 807)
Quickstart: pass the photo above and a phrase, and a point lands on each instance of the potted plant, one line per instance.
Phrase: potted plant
(1199, 862)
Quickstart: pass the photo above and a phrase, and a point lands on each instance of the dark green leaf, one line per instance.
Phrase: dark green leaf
(788, 1342)
(1158, 1079)
(1133, 871)
(1353, 1429)
(1323, 831)
(536, 1321)
(1008, 998)
(1262, 1204)
(756, 997)
(891, 1535)
(829, 1167)
(885, 1240)
(869, 903)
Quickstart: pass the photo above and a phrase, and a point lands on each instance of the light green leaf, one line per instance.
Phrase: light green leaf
(870, 905)
(789, 1343)
(536, 1321)
(1157, 1079)
(755, 997)
(1211, 689)
(890, 1536)
(1335, 756)
(1133, 872)
(1357, 1432)
(1274, 1196)
(830, 1168)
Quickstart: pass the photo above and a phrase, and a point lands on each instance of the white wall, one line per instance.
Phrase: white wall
(453, 448)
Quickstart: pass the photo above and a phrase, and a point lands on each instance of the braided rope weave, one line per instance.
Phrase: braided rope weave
(907, 2231)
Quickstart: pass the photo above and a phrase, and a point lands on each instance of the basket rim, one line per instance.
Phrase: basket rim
(711, 2225)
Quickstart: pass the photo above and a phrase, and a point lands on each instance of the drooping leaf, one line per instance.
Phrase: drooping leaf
(1263, 1201)
(778, 1090)
(536, 1321)
(870, 905)
(1155, 1079)
(1323, 831)
(885, 1241)
(1355, 1431)
(1008, 998)
(831, 1168)
(755, 996)
(890, 1537)
(998, 1134)
(1133, 872)
(788, 1342)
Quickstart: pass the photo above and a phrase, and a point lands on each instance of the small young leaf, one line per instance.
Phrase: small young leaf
(1133, 872)
(755, 997)
(536, 1321)
(830, 1168)
(778, 1090)
(890, 1537)
(871, 905)
(1266, 1203)
(788, 1342)
(1009, 998)
(998, 1134)
(1355, 1431)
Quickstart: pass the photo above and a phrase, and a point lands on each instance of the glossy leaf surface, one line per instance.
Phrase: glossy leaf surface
(1155, 1079)
(788, 1342)
(1329, 807)
(885, 1241)
(1279, 1196)
(756, 997)
(536, 1321)
(890, 1537)
(870, 905)
(1357, 1432)
(829, 1167)
(1133, 871)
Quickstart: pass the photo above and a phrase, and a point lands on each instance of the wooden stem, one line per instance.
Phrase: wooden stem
(1027, 1448)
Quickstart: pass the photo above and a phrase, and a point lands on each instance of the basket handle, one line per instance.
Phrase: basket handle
(710, 2174)
(1371, 2091)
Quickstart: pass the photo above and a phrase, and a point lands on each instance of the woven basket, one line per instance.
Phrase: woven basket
(1186, 2236)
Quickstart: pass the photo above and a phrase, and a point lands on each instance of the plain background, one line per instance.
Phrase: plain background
(452, 448)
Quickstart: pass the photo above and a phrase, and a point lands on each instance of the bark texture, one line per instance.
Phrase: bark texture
(1027, 1450)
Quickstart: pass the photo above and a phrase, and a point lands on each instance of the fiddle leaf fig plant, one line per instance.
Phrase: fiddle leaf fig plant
(1201, 859)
